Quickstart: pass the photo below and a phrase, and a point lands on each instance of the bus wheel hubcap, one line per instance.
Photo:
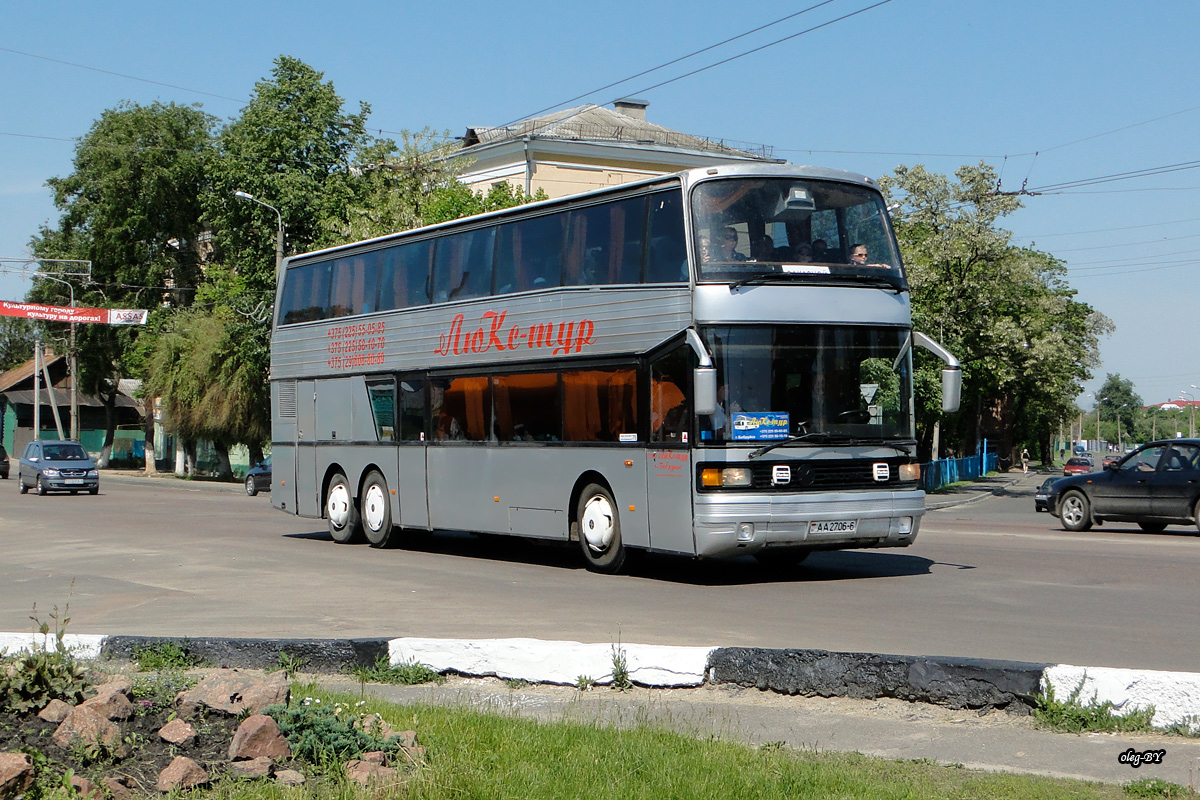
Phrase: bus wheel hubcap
(338, 506)
(374, 507)
(597, 524)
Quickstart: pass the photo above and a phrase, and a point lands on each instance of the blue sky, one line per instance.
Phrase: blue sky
(938, 82)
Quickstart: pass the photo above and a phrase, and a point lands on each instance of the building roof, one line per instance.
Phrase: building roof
(592, 123)
(18, 375)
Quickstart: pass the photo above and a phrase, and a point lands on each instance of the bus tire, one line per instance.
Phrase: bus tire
(376, 509)
(600, 530)
(341, 511)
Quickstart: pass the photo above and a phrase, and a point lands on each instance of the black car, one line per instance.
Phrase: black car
(258, 479)
(3, 463)
(1043, 494)
(1156, 485)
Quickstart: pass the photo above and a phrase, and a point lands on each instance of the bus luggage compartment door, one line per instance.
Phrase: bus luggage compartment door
(308, 500)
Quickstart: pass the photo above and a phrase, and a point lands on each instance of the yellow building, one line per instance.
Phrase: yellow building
(590, 147)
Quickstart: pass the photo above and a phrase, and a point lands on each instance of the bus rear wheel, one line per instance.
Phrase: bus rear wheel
(376, 511)
(344, 524)
(600, 530)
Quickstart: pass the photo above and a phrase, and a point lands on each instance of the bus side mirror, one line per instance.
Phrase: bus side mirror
(704, 390)
(951, 389)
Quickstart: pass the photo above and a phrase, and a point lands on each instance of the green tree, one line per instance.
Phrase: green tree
(138, 176)
(1119, 407)
(17, 337)
(1006, 312)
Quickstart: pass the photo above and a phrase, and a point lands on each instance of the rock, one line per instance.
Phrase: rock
(254, 768)
(117, 788)
(258, 736)
(182, 773)
(375, 725)
(365, 773)
(16, 774)
(289, 777)
(375, 757)
(177, 732)
(89, 725)
(232, 692)
(55, 711)
(85, 788)
(111, 704)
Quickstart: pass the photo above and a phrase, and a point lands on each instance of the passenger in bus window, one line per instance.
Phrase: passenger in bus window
(804, 253)
(858, 254)
(727, 241)
(763, 248)
(820, 250)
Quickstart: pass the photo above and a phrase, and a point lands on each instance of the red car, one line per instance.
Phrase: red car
(1077, 466)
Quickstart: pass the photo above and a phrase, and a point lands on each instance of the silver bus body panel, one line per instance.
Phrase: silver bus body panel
(840, 305)
(783, 520)
(533, 326)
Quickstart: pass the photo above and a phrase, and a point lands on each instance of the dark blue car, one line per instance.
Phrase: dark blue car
(258, 479)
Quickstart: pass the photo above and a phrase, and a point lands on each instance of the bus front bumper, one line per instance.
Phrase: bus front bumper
(729, 525)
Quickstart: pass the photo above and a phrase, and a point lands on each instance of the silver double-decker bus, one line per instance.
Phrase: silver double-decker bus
(714, 363)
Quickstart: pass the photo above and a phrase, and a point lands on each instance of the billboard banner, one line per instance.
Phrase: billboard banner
(102, 316)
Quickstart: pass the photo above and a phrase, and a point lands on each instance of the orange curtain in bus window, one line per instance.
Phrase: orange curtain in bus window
(665, 397)
(581, 414)
(622, 403)
(502, 410)
(340, 304)
(463, 408)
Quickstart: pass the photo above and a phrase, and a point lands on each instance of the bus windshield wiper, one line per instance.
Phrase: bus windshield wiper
(761, 277)
(827, 438)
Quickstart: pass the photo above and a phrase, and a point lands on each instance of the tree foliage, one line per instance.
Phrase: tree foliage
(1007, 312)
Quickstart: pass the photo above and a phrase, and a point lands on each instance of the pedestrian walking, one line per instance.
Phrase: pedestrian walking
(1025, 460)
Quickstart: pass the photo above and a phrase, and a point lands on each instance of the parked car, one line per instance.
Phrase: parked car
(258, 479)
(1077, 466)
(1156, 485)
(1108, 460)
(1042, 494)
(3, 463)
(57, 466)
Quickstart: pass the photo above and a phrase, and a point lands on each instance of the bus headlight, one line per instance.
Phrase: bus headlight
(729, 476)
(910, 472)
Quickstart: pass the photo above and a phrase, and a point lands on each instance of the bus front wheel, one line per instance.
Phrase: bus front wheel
(600, 530)
(344, 524)
(376, 510)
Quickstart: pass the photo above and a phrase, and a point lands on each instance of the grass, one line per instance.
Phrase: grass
(165, 656)
(382, 671)
(476, 754)
(1073, 716)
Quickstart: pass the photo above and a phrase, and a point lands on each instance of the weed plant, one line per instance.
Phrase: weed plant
(327, 735)
(29, 681)
(1072, 716)
(165, 656)
(410, 674)
(1157, 788)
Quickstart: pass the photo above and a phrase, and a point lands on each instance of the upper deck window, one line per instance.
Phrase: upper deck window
(767, 229)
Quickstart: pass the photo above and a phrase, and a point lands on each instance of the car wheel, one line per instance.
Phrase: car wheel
(340, 509)
(376, 508)
(600, 530)
(1075, 513)
(1153, 527)
(39, 488)
(94, 491)
(21, 487)
(251, 489)
(1196, 515)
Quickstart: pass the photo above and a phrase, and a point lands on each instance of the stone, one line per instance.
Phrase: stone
(181, 773)
(254, 768)
(365, 773)
(375, 725)
(117, 788)
(16, 774)
(85, 788)
(86, 724)
(233, 692)
(177, 732)
(55, 711)
(257, 736)
(375, 757)
(112, 704)
(289, 777)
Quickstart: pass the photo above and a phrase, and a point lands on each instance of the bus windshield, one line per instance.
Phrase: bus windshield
(785, 229)
(830, 384)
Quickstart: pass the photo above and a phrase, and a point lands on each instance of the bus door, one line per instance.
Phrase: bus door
(669, 456)
(308, 493)
(412, 468)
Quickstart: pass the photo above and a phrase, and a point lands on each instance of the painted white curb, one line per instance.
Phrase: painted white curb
(82, 645)
(1174, 695)
(541, 661)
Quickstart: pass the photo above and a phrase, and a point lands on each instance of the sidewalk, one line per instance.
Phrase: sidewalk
(988, 486)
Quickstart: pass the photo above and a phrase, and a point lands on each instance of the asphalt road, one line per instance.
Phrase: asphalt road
(988, 579)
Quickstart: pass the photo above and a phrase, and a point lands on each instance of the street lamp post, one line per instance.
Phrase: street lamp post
(1192, 411)
(1099, 400)
(1121, 430)
(72, 361)
(278, 230)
